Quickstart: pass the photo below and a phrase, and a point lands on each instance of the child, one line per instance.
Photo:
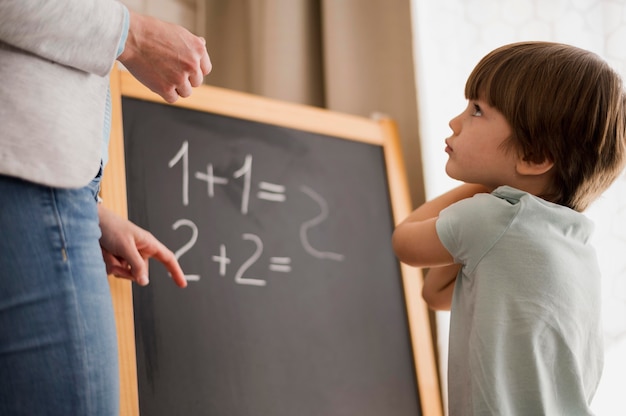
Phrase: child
(543, 136)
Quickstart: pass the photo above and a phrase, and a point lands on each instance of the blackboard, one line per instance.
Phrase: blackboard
(295, 303)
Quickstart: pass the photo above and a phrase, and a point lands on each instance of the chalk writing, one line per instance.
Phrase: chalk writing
(183, 154)
(222, 260)
(211, 180)
(267, 191)
(271, 192)
(312, 223)
(239, 278)
(246, 172)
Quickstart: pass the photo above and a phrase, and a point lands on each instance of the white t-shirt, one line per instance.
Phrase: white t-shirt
(525, 328)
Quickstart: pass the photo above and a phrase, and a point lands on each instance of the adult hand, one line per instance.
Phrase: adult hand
(126, 249)
(166, 58)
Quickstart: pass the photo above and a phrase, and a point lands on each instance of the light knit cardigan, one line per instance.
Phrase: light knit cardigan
(55, 57)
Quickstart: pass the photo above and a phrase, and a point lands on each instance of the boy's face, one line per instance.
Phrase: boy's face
(476, 149)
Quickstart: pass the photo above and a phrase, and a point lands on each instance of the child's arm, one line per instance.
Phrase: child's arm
(439, 286)
(416, 242)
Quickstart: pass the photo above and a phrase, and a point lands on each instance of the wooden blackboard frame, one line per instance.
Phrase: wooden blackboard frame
(380, 131)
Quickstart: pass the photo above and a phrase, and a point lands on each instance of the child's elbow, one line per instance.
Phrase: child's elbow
(402, 249)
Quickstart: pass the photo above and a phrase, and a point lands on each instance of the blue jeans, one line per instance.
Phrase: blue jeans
(58, 346)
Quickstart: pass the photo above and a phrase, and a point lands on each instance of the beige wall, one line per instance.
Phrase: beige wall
(182, 12)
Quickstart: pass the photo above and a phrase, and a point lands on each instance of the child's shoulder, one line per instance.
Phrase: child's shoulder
(503, 198)
(482, 213)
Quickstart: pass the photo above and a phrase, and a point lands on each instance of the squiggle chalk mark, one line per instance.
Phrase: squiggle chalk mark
(313, 222)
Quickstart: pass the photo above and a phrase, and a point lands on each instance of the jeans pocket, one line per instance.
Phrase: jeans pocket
(94, 185)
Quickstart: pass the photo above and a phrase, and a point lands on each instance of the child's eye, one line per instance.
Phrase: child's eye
(477, 112)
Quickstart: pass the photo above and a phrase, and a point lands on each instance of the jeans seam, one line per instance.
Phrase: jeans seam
(59, 222)
(79, 315)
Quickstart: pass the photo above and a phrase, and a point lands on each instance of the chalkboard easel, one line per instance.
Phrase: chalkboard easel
(232, 180)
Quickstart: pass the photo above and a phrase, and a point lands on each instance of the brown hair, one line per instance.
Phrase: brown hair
(564, 104)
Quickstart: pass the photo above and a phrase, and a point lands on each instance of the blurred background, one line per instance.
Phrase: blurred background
(409, 59)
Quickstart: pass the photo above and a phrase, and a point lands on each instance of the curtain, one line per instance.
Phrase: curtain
(350, 56)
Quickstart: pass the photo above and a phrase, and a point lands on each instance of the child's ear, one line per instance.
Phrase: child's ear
(530, 168)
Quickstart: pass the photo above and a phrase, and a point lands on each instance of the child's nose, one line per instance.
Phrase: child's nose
(455, 124)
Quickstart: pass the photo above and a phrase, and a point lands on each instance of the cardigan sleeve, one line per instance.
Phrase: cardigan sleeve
(81, 34)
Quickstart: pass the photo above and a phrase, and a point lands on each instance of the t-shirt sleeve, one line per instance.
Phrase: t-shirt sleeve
(469, 228)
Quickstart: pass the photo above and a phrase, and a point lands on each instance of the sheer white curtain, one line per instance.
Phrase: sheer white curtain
(450, 37)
